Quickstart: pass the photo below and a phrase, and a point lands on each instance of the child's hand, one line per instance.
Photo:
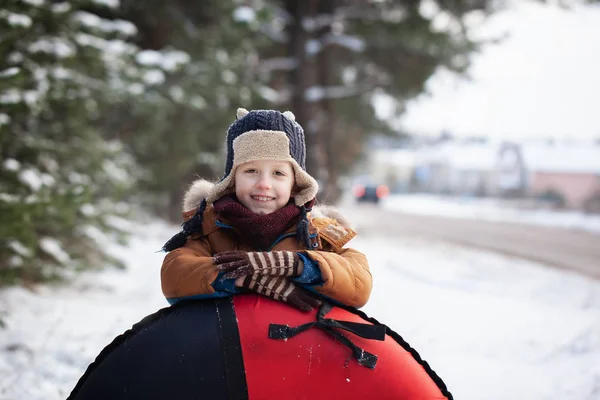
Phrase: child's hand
(275, 263)
(282, 289)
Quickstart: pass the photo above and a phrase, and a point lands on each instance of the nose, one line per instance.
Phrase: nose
(264, 181)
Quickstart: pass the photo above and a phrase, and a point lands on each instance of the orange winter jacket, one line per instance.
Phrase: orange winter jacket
(189, 271)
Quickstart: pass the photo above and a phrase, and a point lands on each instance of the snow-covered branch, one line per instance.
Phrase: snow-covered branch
(278, 64)
(317, 93)
(352, 43)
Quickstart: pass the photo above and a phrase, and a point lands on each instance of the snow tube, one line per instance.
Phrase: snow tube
(251, 347)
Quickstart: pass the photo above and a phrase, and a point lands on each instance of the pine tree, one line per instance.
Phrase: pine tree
(176, 127)
(59, 63)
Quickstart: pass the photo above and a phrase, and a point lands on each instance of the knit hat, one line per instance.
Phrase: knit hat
(259, 135)
(266, 135)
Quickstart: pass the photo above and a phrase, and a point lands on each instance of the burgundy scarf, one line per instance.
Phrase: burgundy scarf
(260, 231)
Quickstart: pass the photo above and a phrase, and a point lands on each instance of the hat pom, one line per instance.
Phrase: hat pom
(241, 112)
(289, 115)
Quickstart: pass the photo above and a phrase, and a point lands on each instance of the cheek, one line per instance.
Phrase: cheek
(240, 185)
(288, 189)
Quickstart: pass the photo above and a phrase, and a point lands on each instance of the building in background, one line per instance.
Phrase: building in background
(570, 172)
(545, 173)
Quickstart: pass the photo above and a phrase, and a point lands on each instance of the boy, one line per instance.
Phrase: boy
(254, 230)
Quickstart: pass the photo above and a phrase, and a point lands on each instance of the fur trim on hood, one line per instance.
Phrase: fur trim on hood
(325, 211)
(195, 194)
(199, 190)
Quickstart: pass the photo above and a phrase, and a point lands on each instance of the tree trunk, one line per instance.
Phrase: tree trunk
(327, 126)
(302, 77)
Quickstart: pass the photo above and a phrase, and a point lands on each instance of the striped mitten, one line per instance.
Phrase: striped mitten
(282, 289)
(273, 263)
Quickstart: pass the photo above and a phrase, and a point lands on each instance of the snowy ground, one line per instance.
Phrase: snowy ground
(489, 210)
(493, 327)
(53, 334)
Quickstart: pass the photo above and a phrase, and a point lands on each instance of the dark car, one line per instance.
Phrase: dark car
(370, 192)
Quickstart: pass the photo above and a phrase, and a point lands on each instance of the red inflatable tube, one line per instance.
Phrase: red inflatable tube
(314, 365)
(251, 347)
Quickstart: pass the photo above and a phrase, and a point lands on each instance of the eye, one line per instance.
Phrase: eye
(250, 171)
(280, 173)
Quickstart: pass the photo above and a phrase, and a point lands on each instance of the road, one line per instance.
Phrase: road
(572, 249)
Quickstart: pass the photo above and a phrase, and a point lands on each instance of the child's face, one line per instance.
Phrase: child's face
(264, 186)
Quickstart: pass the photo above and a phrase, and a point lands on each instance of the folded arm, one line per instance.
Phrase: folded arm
(189, 272)
(344, 274)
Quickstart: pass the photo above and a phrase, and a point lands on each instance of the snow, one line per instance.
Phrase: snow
(93, 21)
(428, 9)
(352, 43)
(320, 21)
(109, 47)
(198, 102)
(115, 172)
(148, 57)
(229, 77)
(493, 210)
(47, 179)
(4, 119)
(61, 8)
(278, 64)
(51, 335)
(492, 326)
(269, 94)
(18, 248)
(313, 46)
(35, 3)
(154, 77)
(31, 178)
(88, 209)
(136, 89)
(31, 97)
(61, 73)
(10, 164)
(15, 261)
(16, 19)
(59, 47)
(562, 158)
(244, 14)
(349, 75)
(9, 198)
(76, 177)
(11, 96)
(317, 93)
(108, 3)
(53, 247)
(177, 93)
(168, 60)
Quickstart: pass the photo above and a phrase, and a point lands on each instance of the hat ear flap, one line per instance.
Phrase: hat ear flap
(241, 112)
(289, 115)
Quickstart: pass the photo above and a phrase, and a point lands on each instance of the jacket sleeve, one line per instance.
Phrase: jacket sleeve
(345, 274)
(189, 272)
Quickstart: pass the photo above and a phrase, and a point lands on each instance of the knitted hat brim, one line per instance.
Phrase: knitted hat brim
(265, 145)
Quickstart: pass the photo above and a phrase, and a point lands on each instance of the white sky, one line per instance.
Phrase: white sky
(542, 81)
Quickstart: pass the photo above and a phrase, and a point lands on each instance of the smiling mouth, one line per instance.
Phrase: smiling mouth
(262, 198)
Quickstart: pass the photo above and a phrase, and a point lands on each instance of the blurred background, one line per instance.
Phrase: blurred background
(112, 106)
(434, 123)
